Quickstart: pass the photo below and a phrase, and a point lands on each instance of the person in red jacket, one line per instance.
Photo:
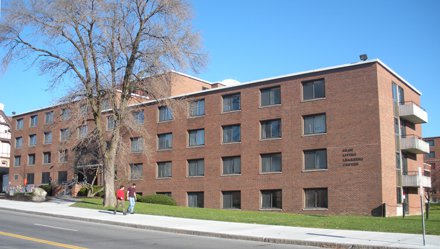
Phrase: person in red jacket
(120, 199)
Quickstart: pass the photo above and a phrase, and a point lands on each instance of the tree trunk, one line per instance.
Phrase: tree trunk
(109, 181)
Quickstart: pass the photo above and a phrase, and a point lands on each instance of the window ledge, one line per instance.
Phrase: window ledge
(137, 152)
(269, 139)
(268, 106)
(315, 209)
(198, 116)
(195, 146)
(271, 172)
(271, 209)
(195, 176)
(164, 178)
(165, 149)
(233, 111)
(165, 121)
(315, 134)
(311, 100)
(313, 170)
(226, 175)
(231, 142)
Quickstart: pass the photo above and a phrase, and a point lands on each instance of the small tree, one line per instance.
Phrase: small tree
(107, 48)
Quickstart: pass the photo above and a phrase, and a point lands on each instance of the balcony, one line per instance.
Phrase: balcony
(414, 145)
(414, 180)
(413, 113)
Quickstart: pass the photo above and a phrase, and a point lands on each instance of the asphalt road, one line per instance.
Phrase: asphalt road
(19, 230)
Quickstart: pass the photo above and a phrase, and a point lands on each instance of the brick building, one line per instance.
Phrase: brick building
(433, 159)
(337, 140)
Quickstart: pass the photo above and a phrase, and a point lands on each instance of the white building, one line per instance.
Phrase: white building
(5, 148)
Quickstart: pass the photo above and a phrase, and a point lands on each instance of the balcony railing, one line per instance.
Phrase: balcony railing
(414, 145)
(413, 113)
(412, 179)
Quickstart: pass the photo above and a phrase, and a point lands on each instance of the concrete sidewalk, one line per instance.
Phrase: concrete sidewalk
(267, 233)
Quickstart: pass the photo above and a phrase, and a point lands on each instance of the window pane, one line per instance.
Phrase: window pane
(231, 165)
(321, 159)
(316, 198)
(319, 123)
(308, 90)
(319, 89)
(271, 162)
(165, 113)
(309, 159)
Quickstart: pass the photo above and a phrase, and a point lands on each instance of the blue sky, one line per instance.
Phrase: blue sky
(248, 40)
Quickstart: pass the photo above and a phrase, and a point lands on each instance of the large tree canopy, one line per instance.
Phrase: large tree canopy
(102, 45)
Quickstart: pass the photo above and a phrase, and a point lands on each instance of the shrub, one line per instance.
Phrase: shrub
(100, 189)
(82, 192)
(47, 188)
(157, 199)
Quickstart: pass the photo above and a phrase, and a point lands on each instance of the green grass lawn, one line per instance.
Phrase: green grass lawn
(409, 224)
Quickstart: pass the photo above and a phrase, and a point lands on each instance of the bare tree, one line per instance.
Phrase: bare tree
(108, 48)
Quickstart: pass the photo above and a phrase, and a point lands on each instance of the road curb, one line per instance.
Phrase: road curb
(209, 234)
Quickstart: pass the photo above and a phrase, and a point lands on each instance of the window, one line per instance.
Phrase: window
(164, 169)
(64, 134)
(398, 166)
(165, 114)
(316, 198)
(314, 89)
(17, 161)
(135, 171)
(62, 177)
(231, 102)
(315, 159)
(45, 178)
(31, 159)
(30, 177)
(18, 142)
(231, 199)
(19, 124)
(83, 110)
(49, 117)
(65, 114)
(314, 124)
(32, 140)
(34, 121)
(197, 108)
(196, 199)
(105, 104)
(271, 129)
(63, 156)
(82, 131)
(110, 123)
(271, 199)
(196, 167)
(431, 154)
(47, 157)
(231, 134)
(137, 144)
(270, 96)
(231, 165)
(138, 117)
(165, 141)
(48, 137)
(164, 193)
(271, 162)
(15, 176)
(431, 142)
(196, 137)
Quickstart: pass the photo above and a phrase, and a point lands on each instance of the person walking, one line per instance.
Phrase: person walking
(131, 196)
(120, 199)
